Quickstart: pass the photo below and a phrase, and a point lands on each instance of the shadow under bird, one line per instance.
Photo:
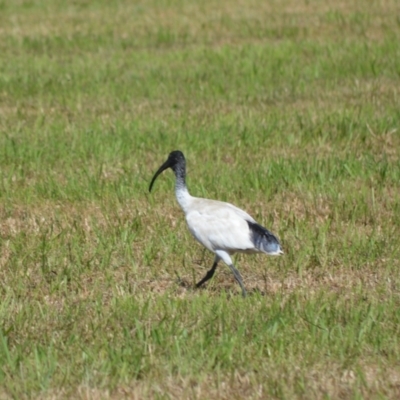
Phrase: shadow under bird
(220, 227)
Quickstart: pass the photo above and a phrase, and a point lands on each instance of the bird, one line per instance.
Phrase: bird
(220, 227)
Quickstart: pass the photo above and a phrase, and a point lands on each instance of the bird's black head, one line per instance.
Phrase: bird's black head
(175, 157)
(176, 161)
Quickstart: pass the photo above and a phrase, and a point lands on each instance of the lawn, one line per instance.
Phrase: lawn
(287, 109)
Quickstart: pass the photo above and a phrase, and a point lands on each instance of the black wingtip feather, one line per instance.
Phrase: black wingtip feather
(263, 239)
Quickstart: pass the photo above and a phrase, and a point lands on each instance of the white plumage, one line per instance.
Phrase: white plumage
(220, 227)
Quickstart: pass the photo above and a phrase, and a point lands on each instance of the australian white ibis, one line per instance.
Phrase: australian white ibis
(220, 227)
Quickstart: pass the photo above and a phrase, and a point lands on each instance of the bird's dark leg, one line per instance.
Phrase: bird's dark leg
(210, 273)
(237, 276)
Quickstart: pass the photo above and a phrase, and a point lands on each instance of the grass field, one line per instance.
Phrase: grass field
(288, 109)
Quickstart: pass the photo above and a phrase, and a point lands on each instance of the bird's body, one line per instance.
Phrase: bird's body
(220, 227)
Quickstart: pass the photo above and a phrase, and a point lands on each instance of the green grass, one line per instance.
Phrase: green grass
(290, 110)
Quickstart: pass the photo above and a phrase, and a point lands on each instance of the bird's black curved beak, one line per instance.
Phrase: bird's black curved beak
(163, 167)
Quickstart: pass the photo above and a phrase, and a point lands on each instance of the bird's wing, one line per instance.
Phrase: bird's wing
(212, 205)
(220, 226)
(239, 212)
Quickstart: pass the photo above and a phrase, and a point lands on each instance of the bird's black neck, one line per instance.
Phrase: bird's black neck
(181, 191)
(180, 174)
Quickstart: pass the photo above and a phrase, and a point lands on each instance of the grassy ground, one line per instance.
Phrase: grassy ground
(289, 109)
